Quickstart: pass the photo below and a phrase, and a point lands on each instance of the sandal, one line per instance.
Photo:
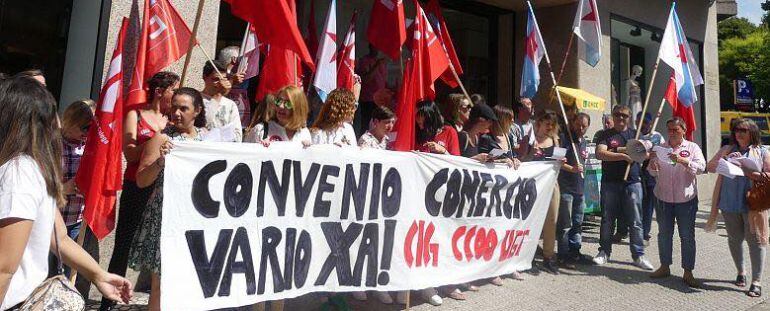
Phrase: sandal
(497, 281)
(740, 281)
(754, 291)
(457, 295)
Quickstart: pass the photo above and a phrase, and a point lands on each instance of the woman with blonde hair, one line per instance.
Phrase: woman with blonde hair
(284, 119)
(331, 126)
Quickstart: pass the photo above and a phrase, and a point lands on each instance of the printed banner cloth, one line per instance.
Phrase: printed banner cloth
(243, 223)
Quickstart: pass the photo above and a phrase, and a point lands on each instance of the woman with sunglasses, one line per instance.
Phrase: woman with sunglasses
(730, 197)
(286, 116)
(456, 110)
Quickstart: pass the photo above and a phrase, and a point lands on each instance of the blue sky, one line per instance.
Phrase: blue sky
(750, 9)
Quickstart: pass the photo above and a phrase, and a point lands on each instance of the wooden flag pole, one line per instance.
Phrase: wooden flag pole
(563, 64)
(558, 95)
(80, 239)
(193, 42)
(657, 116)
(644, 109)
(462, 87)
(408, 300)
(208, 58)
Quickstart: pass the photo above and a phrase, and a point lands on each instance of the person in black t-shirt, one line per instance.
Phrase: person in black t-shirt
(571, 185)
(619, 194)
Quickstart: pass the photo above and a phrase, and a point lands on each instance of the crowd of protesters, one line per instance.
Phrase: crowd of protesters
(41, 152)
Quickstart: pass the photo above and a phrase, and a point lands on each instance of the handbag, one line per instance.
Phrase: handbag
(55, 293)
(759, 194)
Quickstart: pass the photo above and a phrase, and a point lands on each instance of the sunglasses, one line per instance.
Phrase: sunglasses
(741, 130)
(85, 128)
(283, 102)
(621, 115)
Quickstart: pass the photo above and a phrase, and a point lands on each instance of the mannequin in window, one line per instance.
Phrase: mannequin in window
(634, 90)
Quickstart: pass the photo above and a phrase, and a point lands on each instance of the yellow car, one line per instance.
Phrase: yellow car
(760, 118)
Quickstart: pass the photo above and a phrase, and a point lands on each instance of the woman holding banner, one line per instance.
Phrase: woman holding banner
(433, 136)
(742, 223)
(188, 117)
(457, 109)
(140, 126)
(287, 118)
(546, 141)
(330, 126)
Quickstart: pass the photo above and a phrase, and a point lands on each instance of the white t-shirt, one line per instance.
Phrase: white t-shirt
(23, 195)
(344, 135)
(222, 113)
(275, 132)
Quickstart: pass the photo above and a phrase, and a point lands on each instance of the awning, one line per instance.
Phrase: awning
(583, 99)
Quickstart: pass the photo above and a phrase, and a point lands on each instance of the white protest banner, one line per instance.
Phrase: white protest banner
(243, 223)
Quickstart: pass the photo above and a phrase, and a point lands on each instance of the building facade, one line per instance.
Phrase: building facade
(487, 34)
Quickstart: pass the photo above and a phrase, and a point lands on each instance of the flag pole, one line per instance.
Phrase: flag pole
(657, 116)
(241, 65)
(644, 109)
(563, 65)
(558, 95)
(208, 58)
(192, 42)
(80, 239)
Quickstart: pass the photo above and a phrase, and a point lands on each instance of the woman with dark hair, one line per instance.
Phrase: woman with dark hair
(139, 126)
(677, 190)
(30, 194)
(432, 134)
(546, 140)
(188, 121)
(742, 223)
(456, 110)
(383, 120)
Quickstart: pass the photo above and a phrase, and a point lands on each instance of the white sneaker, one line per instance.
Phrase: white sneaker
(601, 258)
(643, 263)
(401, 297)
(384, 297)
(431, 296)
(360, 296)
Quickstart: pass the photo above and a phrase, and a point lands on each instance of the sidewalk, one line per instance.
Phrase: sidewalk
(618, 285)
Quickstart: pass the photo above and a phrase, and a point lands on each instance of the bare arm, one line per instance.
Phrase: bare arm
(151, 163)
(14, 235)
(712, 164)
(131, 150)
(112, 286)
(605, 155)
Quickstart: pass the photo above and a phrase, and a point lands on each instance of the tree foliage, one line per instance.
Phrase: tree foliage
(744, 52)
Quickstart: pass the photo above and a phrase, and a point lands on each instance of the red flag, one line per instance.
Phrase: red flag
(277, 71)
(165, 38)
(387, 30)
(439, 25)
(405, 110)
(100, 173)
(427, 62)
(346, 64)
(679, 110)
(275, 24)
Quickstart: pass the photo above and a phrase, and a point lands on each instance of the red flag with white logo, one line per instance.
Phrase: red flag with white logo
(99, 176)
(427, 62)
(347, 62)
(439, 26)
(387, 30)
(165, 38)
